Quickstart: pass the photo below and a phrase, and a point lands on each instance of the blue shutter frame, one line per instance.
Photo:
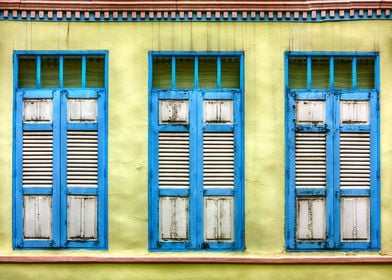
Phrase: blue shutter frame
(59, 126)
(333, 128)
(196, 193)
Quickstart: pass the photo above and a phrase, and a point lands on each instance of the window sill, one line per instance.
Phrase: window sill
(200, 260)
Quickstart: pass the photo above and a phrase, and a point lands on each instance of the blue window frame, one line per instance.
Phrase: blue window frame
(332, 151)
(60, 150)
(196, 191)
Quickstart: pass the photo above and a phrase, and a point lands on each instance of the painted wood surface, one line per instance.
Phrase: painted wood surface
(173, 160)
(173, 111)
(37, 110)
(82, 110)
(218, 218)
(218, 111)
(218, 160)
(311, 218)
(355, 218)
(309, 112)
(354, 160)
(82, 217)
(173, 218)
(82, 158)
(37, 158)
(354, 112)
(310, 160)
(37, 217)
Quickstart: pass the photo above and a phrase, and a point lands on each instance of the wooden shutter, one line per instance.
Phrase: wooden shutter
(173, 160)
(37, 158)
(310, 160)
(218, 160)
(82, 158)
(354, 160)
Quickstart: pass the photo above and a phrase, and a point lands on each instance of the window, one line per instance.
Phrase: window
(60, 153)
(332, 137)
(196, 152)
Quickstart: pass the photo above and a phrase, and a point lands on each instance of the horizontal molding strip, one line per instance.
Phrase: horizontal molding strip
(200, 260)
(186, 5)
(126, 10)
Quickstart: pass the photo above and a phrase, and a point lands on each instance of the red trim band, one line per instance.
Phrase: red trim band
(200, 260)
(188, 5)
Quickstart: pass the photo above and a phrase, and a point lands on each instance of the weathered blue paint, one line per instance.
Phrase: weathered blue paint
(195, 128)
(59, 127)
(333, 128)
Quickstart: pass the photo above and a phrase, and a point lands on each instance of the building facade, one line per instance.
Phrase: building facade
(175, 139)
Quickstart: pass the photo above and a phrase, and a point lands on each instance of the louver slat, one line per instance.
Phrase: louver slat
(82, 158)
(310, 160)
(173, 160)
(354, 160)
(37, 158)
(218, 160)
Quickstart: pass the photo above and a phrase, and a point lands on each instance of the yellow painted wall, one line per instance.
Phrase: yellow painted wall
(264, 45)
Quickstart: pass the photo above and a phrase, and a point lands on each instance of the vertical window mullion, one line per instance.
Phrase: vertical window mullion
(58, 171)
(38, 77)
(84, 71)
(61, 71)
(309, 73)
(173, 75)
(333, 170)
(354, 71)
(196, 72)
(219, 72)
(331, 72)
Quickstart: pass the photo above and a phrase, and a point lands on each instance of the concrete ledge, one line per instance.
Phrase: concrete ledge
(201, 260)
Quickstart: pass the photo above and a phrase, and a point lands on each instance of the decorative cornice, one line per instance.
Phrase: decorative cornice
(188, 5)
(201, 260)
(202, 10)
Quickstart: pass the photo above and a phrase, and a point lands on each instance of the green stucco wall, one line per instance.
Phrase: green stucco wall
(264, 45)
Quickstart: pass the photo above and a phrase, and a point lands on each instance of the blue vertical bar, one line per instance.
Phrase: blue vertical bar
(354, 71)
(309, 72)
(61, 147)
(101, 208)
(375, 241)
(38, 77)
(195, 181)
(196, 73)
(331, 72)
(153, 205)
(61, 71)
(173, 74)
(17, 170)
(104, 193)
(290, 161)
(239, 218)
(290, 171)
(219, 72)
(84, 71)
(333, 170)
(58, 171)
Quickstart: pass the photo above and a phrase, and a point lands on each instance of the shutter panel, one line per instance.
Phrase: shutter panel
(82, 217)
(218, 218)
(82, 158)
(37, 157)
(218, 160)
(355, 218)
(37, 217)
(173, 218)
(311, 218)
(354, 160)
(173, 159)
(310, 163)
